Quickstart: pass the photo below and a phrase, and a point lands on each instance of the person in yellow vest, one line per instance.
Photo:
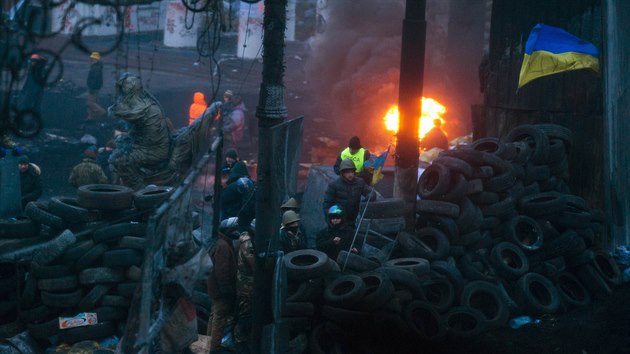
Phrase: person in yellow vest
(358, 155)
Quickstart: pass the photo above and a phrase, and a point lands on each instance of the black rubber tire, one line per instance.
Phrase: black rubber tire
(424, 320)
(62, 284)
(437, 207)
(456, 190)
(558, 132)
(122, 258)
(306, 264)
(114, 301)
(44, 330)
(29, 292)
(476, 267)
(540, 204)
(53, 249)
(378, 290)
(345, 291)
(508, 260)
(100, 275)
(309, 290)
(37, 212)
(501, 209)
(516, 192)
(434, 182)
(482, 172)
(487, 299)
(484, 198)
(567, 244)
(50, 271)
(470, 217)
(97, 331)
(126, 289)
(473, 157)
(384, 208)
(76, 251)
(151, 197)
(445, 224)
(105, 197)
(593, 281)
(61, 300)
(116, 231)
(536, 138)
(474, 186)
(134, 273)
(355, 262)
(417, 266)
(439, 292)
(500, 182)
(451, 272)
(91, 257)
(490, 145)
(428, 243)
(607, 267)
(572, 292)
(464, 322)
(106, 314)
(524, 232)
(36, 314)
(92, 298)
(456, 165)
(557, 151)
(523, 152)
(18, 228)
(298, 309)
(340, 315)
(536, 294)
(403, 280)
(572, 218)
(69, 210)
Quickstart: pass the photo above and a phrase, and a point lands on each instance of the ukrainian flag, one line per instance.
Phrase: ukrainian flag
(550, 50)
(378, 164)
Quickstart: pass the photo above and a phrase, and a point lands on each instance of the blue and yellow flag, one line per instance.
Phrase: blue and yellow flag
(377, 164)
(550, 50)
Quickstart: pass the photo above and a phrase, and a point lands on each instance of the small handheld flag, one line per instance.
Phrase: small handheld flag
(551, 50)
(378, 164)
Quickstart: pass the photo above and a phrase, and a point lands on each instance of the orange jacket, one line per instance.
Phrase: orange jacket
(197, 107)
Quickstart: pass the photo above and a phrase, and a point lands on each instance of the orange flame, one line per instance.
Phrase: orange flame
(431, 109)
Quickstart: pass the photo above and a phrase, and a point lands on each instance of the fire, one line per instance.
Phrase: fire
(431, 109)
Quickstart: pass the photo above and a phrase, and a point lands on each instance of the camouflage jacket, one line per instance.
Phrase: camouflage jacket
(245, 269)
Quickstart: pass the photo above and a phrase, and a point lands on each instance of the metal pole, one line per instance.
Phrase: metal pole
(409, 98)
(271, 111)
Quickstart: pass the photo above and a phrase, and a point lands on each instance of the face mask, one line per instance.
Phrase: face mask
(292, 229)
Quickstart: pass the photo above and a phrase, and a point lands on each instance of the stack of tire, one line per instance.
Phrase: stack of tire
(94, 265)
(496, 219)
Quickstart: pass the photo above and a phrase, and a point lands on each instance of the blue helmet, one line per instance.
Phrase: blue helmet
(335, 210)
(244, 185)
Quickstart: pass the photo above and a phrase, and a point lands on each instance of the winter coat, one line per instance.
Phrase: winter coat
(222, 280)
(347, 195)
(30, 184)
(235, 124)
(95, 77)
(237, 170)
(345, 232)
(33, 90)
(87, 172)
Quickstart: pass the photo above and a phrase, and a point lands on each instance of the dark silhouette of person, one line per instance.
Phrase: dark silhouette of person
(435, 137)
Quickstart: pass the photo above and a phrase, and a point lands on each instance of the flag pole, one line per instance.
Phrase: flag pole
(356, 232)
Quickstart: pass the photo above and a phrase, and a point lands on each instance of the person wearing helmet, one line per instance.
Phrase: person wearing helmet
(346, 191)
(291, 204)
(291, 237)
(358, 155)
(222, 281)
(337, 235)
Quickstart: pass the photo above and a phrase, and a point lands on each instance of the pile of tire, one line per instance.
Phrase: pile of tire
(497, 220)
(93, 265)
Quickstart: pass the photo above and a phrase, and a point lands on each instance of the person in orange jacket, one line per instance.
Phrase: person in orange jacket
(197, 108)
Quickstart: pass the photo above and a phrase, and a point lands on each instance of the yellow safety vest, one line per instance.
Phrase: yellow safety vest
(356, 158)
